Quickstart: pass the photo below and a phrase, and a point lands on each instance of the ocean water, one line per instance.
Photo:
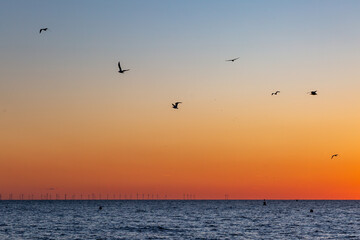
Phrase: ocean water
(176, 219)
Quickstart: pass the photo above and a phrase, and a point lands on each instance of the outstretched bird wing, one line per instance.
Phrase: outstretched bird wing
(175, 105)
(119, 66)
(231, 60)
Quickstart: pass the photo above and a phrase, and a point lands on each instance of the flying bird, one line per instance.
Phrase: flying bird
(120, 69)
(232, 60)
(43, 29)
(275, 93)
(335, 155)
(175, 105)
(313, 93)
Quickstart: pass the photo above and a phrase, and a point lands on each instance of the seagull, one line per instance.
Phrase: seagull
(335, 155)
(120, 70)
(313, 93)
(275, 93)
(232, 60)
(175, 105)
(43, 29)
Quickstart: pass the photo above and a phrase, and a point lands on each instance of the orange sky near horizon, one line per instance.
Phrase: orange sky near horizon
(272, 151)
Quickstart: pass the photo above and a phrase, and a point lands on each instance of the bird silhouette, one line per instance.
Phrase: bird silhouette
(313, 93)
(120, 69)
(100, 207)
(335, 155)
(43, 29)
(232, 60)
(275, 93)
(175, 105)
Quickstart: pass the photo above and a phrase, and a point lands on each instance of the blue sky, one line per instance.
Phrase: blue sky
(177, 46)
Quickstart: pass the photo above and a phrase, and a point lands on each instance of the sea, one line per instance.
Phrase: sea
(179, 219)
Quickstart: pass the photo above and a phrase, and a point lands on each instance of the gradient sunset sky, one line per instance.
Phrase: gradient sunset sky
(70, 121)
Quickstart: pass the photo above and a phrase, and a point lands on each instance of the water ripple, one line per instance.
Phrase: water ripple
(179, 220)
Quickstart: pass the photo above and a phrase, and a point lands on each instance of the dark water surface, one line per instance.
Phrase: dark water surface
(166, 219)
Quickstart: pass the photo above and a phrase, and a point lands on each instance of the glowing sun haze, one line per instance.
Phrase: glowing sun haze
(70, 121)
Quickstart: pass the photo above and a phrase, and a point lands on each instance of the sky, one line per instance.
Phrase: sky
(71, 122)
